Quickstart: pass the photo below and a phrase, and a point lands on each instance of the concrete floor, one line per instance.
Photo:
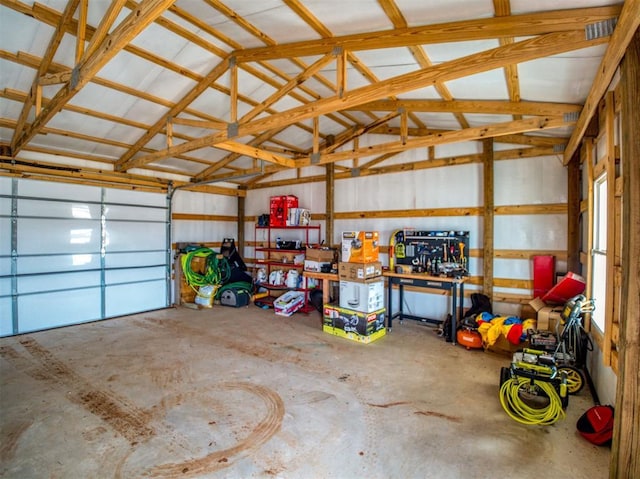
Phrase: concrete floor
(228, 393)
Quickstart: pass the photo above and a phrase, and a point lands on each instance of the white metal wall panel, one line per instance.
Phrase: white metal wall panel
(530, 181)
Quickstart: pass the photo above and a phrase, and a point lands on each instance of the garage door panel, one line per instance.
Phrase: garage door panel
(128, 299)
(127, 236)
(47, 236)
(58, 263)
(56, 282)
(71, 264)
(50, 310)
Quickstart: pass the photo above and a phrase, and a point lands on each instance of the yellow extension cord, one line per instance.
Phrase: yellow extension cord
(523, 413)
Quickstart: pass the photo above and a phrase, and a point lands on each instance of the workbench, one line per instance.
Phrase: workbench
(427, 284)
(326, 278)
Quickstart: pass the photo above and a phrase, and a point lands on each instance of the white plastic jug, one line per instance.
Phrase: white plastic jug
(292, 278)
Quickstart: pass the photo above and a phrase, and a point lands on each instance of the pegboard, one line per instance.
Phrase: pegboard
(431, 252)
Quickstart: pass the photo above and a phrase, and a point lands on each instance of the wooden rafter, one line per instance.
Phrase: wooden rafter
(51, 17)
(180, 106)
(626, 27)
(108, 18)
(395, 15)
(254, 152)
(289, 86)
(133, 24)
(476, 133)
(359, 131)
(525, 50)
(486, 28)
(404, 167)
(494, 107)
(43, 67)
(503, 9)
(258, 140)
(33, 61)
(262, 36)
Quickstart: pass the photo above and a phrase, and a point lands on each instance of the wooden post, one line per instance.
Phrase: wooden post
(241, 215)
(573, 214)
(330, 189)
(625, 452)
(487, 242)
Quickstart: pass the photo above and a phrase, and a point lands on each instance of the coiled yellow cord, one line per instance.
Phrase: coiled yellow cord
(519, 411)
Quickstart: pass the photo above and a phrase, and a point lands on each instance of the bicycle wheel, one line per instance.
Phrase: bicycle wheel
(575, 378)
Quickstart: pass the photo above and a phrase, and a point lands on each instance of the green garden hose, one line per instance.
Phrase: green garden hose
(217, 270)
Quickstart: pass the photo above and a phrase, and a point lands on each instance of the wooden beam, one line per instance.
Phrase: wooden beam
(341, 73)
(180, 106)
(488, 216)
(109, 16)
(608, 130)
(486, 28)
(367, 170)
(330, 189)
(476, 133)
(397, 18)
(495, 107)
(525, 50)
(215, 125)
(289, 86)
(254, 152)
(359, 131)
(130, 27)
(233, 87)
(625, 451)
(43, 67)
(208, 172)
(573, 215)
(82, 29)
(503, 9)
(625, 29)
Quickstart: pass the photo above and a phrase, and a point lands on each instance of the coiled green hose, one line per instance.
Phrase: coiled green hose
(217, 270)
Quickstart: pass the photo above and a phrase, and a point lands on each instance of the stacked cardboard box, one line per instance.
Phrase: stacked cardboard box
(361, 290)
(319, 259)
(353, 325)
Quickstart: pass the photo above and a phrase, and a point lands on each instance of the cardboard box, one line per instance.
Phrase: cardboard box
(365, 296)
(504, 347)
(354, 336)
(289, 303)
(359, 271)
(354, 325)
(326, 255)
(315, 266)
(546, 316)
(360, 246)
(549, 317)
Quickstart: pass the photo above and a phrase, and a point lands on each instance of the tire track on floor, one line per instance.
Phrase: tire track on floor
(124, 417)
(261, 433)
(275, 353)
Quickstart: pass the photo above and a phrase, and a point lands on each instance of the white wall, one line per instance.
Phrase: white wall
(540, 180)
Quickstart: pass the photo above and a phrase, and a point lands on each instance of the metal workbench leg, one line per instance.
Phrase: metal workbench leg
(389, 304)
(454, 312)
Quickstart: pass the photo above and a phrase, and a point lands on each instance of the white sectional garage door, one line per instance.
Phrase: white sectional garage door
(72, 253)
